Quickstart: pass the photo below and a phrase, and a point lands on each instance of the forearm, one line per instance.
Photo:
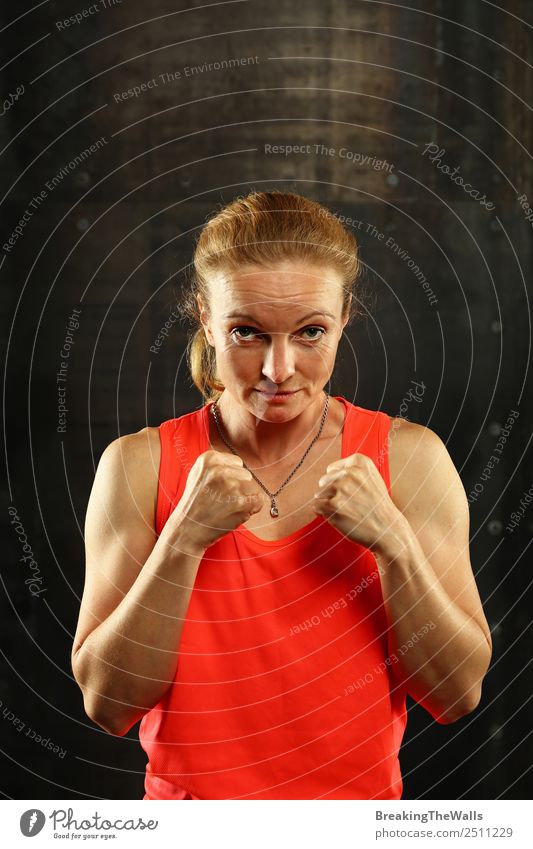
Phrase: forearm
(444, 668)
(127, 663)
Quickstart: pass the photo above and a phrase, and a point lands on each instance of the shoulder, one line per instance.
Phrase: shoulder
(420, 466)
(128, 470)
(412, 448)
(135, 450)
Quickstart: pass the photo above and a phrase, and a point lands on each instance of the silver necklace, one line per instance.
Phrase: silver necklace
(274, 510)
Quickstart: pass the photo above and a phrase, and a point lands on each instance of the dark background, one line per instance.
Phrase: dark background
(115, 240)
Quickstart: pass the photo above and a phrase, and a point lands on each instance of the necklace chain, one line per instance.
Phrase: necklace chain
(274, 510)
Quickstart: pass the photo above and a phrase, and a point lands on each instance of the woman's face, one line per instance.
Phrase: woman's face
(275, 331)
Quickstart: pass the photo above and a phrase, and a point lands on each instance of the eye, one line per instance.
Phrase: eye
(245, 333)
(320, 330)
(239, 330)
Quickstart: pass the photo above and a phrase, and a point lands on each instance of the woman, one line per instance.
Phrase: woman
(269, 575)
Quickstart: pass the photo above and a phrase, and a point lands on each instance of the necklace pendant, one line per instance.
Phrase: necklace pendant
(274, 512)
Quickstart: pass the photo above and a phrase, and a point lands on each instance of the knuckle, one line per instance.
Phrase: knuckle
(214, 474)
(207, 459)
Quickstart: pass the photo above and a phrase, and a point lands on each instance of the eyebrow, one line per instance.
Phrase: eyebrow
(251, 318)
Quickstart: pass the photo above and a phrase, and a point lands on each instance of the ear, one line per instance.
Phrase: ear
(204, 320)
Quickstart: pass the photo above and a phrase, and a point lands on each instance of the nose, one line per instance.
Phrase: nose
(278, 364)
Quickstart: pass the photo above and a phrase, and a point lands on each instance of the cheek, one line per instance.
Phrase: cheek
(321, 360)
(236, 359)
(227, 350)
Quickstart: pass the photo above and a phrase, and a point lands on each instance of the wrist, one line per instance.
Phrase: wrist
(396, 541)
(179, 539)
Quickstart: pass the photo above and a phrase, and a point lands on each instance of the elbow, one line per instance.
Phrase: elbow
(114, 729)
(114, 724)
(465, 703)
(459, 709)
(106, 723)
(459, 703)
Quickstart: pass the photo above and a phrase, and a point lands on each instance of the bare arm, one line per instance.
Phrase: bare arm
(427, 579)
(137, 588)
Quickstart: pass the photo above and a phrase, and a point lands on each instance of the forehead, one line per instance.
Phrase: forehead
(288, 286)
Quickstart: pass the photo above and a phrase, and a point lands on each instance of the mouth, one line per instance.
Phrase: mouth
(272, 396)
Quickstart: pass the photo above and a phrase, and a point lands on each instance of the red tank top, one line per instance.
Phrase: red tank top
(281, 688)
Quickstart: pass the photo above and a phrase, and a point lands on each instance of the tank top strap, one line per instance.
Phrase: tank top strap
(182, 440)
(367, 432)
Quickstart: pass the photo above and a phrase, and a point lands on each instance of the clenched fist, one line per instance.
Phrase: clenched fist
(220, 495)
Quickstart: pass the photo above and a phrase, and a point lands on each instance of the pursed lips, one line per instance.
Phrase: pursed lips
(268, 392)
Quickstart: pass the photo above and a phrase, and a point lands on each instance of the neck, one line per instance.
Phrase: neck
(267, 442)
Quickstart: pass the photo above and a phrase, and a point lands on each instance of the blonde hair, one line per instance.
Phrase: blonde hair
(262, 229)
